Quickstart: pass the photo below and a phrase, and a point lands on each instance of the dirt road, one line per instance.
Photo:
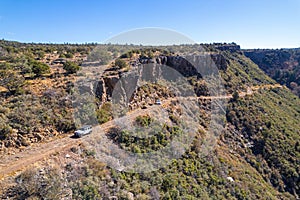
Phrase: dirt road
(11, 164)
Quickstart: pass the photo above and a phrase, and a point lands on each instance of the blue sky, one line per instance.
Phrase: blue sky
(250, 23)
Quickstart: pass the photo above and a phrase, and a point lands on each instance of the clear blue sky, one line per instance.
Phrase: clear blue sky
(250, 23)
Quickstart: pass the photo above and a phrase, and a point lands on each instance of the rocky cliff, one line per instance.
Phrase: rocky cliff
(283, 65)
(120, 84)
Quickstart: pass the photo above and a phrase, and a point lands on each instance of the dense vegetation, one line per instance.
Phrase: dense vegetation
(283, 65)
(269, 122)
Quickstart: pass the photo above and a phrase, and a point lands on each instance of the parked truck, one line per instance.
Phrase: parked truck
(84, 130)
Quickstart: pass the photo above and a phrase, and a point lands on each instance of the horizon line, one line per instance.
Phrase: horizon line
(101, 43)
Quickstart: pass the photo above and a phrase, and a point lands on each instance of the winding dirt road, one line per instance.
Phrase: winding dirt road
(11, 164)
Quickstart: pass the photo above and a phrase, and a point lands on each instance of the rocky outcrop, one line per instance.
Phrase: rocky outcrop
(100, 90)
(182, 65)
(228, 47)
(220, 61)
(110, 83)
(122, 86)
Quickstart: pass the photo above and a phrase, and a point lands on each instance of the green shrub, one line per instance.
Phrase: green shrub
(71, 67)
(69, 55)
(39, 68)
(120, 63)
(11, 80)
(104, 114)
(144, 120)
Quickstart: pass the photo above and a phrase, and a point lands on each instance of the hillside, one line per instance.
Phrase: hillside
(282, 65)
(256, 156)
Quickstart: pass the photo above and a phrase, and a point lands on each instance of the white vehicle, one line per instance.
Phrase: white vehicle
(84, 130)
(158, 102)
